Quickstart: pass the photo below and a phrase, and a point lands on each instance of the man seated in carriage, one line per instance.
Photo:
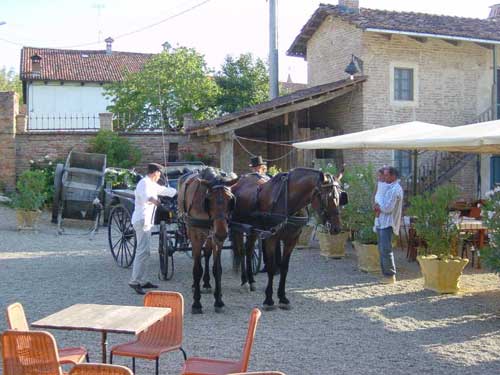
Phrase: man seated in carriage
(146, 201)
(259, 168)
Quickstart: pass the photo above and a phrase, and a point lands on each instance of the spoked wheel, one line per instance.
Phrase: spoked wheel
(166, 251)
(58, 173)
(257, 257)
(121, 236)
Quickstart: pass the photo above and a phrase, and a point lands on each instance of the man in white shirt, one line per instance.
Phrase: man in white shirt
(146, 201)
(389, 208)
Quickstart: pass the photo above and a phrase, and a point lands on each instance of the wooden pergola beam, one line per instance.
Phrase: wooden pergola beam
(260, 117)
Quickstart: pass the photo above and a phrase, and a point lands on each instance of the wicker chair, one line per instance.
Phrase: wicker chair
(29, 353)
(164, 336)
(99, 369)
(16, 320)
(206, 366)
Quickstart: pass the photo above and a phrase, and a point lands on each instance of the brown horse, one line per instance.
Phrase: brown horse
(205, 207)
(270, 208)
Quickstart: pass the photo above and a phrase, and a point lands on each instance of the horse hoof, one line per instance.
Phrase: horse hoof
(285, 306)
(196, 310)
(219, 309)
(268, 307)
(206, 291)
(253, 288)
(245, 288)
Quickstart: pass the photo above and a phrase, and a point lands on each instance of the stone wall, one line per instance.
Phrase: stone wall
(9, 108)
(453, 83)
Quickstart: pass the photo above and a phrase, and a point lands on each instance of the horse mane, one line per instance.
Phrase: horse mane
(295, 171)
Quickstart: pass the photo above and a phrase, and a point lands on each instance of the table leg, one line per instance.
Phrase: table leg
(481, 244)
(104, 345)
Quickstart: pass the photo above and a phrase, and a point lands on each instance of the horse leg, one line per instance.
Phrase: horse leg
(284, 303)
(207, 288)
(196, 308)
(270, 245)
(244, 279)
(217, 270)
(250, 245)
(237, 245)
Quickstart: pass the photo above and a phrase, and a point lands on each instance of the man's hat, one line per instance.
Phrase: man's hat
(154, 167)
(256, 161)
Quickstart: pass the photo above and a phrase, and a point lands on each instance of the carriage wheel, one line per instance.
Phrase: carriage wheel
(257, 257)
(166, 251)
(57, 191)
(121, 236)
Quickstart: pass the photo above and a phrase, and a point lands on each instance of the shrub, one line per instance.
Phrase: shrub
(491, 216)
(47, 166)
(119, 151)
(30, 194)
(434, 224)
(273, 170)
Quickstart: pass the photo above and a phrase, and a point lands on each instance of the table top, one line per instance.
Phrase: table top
(104, 318)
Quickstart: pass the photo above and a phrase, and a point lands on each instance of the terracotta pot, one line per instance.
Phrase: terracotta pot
(332, 246)
(442, 276)
(368, 257)
(305, 236)
(27, 219)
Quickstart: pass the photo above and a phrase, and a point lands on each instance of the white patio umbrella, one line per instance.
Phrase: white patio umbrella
(483, 137)
(401, 136)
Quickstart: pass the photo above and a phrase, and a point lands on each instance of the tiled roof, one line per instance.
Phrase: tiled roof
(279, 102)
(485, 29)
(81, 66)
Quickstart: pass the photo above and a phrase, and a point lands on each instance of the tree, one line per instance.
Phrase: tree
(9, 81)
(172, 83)
(242, 81)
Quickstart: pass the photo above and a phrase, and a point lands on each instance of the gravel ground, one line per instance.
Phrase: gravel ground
(342, 321)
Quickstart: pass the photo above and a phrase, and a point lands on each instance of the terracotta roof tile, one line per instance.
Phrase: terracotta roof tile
(81, 66)
(486, 29)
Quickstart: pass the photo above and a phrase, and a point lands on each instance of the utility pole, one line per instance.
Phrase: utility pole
(273, 51)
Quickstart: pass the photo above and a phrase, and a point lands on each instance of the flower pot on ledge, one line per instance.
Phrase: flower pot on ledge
(442, 275)
(368, 257)
(332, 246)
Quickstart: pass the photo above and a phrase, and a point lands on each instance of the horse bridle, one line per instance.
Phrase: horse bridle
(219, 201)
(324, 192)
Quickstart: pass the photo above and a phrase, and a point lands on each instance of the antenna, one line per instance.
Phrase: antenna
(99, 31)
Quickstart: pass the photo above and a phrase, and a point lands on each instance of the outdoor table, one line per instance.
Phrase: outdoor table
(477, 226)
(104, 319)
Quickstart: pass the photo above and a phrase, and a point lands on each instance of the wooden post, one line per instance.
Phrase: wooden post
(227, 152)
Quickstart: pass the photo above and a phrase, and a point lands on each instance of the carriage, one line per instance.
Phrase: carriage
(168, 226)
(78, 185)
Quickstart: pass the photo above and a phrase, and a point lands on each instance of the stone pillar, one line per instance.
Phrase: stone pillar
(9, 108)
(227, 152)
(106, 121)
(21, 124)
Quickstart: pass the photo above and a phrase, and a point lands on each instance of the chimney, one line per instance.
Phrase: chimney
(188, 121)
(109, 41)
(494, 11)
(350, 4)
(35, 65)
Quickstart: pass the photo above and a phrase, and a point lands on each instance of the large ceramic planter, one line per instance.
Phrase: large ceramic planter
(442, 276)
(305, 236)
(332, 246)
(368, 257)
(27, 219)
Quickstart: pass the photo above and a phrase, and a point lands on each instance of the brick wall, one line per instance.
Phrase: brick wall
(8, 111)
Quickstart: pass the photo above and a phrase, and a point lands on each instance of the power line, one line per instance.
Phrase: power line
(124, 34)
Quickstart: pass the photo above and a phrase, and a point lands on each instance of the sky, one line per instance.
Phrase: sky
(215, 28)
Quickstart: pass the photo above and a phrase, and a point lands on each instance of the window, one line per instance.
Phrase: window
(403, 84)
(402, 162)
(326, 154)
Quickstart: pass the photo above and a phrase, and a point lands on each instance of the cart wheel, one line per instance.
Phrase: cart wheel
(257, 257)
(121, 236)
(57, 191)
(166, 251)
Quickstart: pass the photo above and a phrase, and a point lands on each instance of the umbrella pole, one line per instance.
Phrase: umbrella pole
(415, 172)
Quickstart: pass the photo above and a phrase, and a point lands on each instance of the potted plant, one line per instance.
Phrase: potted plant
(435, 225)
(29, 198)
